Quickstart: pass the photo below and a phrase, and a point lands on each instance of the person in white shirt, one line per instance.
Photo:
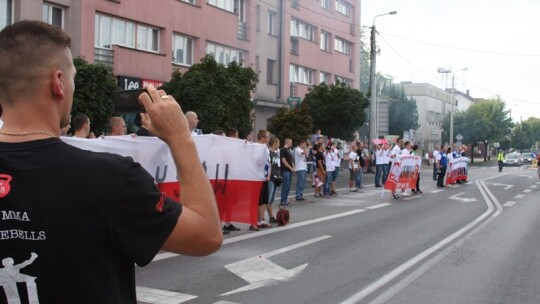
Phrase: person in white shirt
(379, 165)
(193, 121)
(338, 152)
(300, 164)
(435, 161)
(329, 159)
(353, 168)
(385, 161)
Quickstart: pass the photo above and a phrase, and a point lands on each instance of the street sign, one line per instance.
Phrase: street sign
(294, 101)
(459, 137)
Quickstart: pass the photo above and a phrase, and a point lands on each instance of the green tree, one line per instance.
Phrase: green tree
(294, 123)
(336, 109)
(220, 95)
(364, 65)
(403, 113)
(485, 121)
(526, 134)
(93, 96)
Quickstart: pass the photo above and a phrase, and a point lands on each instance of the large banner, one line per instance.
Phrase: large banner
(457, 170)
(234, 167)
(404, 172)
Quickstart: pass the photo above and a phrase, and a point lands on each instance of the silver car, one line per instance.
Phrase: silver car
(513, 159)
(527, 157)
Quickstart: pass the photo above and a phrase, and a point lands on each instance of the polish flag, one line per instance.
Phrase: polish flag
(234, 167)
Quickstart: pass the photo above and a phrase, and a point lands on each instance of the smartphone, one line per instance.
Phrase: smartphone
(127, 101)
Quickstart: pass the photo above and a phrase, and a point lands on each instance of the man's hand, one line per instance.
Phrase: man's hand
(167, 119)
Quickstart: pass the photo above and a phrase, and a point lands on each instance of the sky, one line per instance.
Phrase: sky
(496, 41)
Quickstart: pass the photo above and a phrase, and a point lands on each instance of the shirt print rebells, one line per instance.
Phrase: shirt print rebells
(10, 273)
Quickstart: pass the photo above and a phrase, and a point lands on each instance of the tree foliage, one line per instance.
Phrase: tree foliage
(526, 134)
(336, 109)
(93, 96)
(403, 112)
(293, 123)
(220, 95)
(485, 121)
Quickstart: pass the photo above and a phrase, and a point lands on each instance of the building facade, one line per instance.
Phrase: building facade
(292, 44)
(432, 104)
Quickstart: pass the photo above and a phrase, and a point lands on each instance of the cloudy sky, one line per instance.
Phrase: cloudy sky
(497, 41)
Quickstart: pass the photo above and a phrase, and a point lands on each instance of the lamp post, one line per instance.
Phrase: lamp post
(373, 123)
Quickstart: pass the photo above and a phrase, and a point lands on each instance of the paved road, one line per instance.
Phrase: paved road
(473, 243)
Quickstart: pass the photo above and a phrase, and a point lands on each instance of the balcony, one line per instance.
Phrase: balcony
(294, 46)
(242, 31)
(104, 56)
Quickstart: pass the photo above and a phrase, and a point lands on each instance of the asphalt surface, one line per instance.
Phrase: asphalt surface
(470, 243)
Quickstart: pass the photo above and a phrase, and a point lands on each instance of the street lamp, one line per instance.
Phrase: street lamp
(373, 119)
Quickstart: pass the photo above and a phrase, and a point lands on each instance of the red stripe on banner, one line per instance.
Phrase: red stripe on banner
(402, 177)
(238, 200)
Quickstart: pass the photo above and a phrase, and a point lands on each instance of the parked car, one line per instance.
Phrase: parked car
(513, 159)
(527, 157)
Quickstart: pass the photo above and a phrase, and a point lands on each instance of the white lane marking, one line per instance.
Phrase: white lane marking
(462, 199)
(527, 190)
(534, 186)
(367, 291)
(156, 296)
(538, 183)
(378, 206)
(509, 204)
(226, 302)
(519, 196)
(437, 191)
(506, 187)
(166, 255)
(259, 271)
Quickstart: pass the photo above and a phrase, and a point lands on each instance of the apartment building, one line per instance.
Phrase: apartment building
(292, 44)
(432, 104)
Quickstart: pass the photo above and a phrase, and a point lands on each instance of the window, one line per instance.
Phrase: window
(294, 4)
(347, 81)
(6, 13)
(258, 18)
(182, 50)
(325, 4)
(271, 71)
(324, 77)
(115, 31)
(342, 46)
(147, 38)
(223, 54)
(189, 1)
(272, 23)
(227, 5)
(300, 74)
(302, 29)
(343, 8)
(53, 14)
(325, 41)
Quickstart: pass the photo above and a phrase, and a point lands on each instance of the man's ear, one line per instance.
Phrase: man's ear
(56, 84)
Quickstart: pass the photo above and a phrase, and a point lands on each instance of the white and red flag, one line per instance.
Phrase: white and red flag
(234, 167)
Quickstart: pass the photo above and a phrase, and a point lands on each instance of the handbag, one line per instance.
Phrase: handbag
(277, 180)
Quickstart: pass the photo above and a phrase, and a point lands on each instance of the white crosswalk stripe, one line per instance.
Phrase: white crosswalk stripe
(156, 296)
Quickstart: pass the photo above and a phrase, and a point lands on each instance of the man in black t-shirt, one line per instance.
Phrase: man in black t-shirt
(287, 168)
(75, 222)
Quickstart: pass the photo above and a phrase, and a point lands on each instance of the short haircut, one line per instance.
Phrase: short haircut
(232, 132)
(273, 140)
(262, 133)
(219, 132)
(79, 121)
(115, 121)
(29, 49)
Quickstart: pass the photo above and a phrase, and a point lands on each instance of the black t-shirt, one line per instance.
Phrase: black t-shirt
(74, 222)
(319, 156)
(284, 153)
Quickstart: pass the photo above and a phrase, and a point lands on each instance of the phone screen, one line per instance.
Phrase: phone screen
(128, 101)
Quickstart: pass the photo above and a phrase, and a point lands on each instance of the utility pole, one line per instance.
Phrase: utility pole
(373, 105)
